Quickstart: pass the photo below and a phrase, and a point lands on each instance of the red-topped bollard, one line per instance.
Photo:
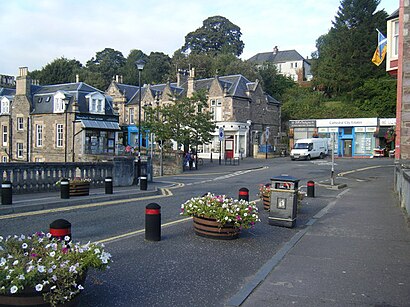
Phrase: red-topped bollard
(243, 194)
(60, 229)
(108, 185)
(153, 222)
(6, 193)
(310, 189)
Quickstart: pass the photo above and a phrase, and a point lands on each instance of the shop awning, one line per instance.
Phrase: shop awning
(97, 124)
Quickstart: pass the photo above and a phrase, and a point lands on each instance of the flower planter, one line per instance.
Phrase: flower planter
(266, 201)
(79, 188)
(210, 228)
(32, 298)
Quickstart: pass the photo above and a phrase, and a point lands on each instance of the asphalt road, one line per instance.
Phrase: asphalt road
(184, 269)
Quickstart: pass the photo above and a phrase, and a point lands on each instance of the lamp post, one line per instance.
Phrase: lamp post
(66, 102)
(140, 66)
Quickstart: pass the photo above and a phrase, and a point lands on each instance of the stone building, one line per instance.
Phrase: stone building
(56, 123)
(240, 107)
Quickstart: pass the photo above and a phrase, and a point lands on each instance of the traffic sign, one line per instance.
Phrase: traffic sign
(221, 134)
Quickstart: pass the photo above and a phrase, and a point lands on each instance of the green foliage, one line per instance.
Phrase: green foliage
(157, 68)
(130, 71)
(185, 120)
(274, 83)
(59, 71)
(217, 35)
(344, 53)
(107, 64)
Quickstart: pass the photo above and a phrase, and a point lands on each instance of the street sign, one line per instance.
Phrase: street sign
(221, 134)
(267, 132)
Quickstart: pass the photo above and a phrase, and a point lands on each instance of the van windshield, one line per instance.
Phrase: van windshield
(301, 146)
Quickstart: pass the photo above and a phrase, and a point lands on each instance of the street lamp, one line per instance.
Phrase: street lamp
(66, 102)
(140, 66)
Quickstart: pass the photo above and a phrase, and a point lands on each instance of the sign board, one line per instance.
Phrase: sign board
(302, 123)
(221, 134)
(267, 133)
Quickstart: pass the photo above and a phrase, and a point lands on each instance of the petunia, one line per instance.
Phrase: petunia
(39, 287)
(13, 289)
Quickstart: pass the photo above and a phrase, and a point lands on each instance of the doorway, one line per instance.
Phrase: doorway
(347, 148)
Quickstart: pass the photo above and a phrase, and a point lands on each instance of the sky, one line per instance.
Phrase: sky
(36, 32)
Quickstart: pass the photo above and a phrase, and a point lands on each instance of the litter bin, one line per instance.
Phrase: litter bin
(143, 183)
(283, 201)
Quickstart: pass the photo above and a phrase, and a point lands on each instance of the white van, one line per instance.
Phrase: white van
(310, 148)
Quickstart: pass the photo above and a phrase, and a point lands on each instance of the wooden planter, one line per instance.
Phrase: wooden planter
(32, 298)
(79, 188)
(210, 228)
(266, 201)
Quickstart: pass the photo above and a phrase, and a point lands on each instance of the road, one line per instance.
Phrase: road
(184, 269)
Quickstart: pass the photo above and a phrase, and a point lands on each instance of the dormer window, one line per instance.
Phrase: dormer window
(5, 106)
(59, 105)
(96, 103)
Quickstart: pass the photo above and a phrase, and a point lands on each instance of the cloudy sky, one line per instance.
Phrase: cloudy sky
(35, 32)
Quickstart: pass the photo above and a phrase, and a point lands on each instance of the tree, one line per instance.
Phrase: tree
(129, 70)
(274, 83)
(59, 71)
(157, 68)
(107, 64)
(185, 120)
(344, 53)
(217, 35)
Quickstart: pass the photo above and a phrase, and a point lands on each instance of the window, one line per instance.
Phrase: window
(395, 43)
(213, 102)
(291, 65)
(19, 150)
(5, 106)
(20, 123)
(4, 159)
(296, 65)
(131, 116)
(96, 102)
(5, 138)
(59, 135)
(39, 135)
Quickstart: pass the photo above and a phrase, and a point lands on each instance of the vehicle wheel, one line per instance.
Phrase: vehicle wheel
(322, 156)
(308, 157)
(292, 159)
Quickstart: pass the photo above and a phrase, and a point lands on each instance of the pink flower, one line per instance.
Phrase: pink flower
(238, 217)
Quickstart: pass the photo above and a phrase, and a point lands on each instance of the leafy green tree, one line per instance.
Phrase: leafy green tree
(344, 53)
(107, 64)
(377, 97)
(59, 71)
(274, 83)
(129, 70)
(217, 35)
(157, 68)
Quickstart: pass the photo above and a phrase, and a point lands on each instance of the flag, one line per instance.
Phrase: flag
(380, 52)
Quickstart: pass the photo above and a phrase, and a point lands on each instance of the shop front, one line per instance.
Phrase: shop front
(354, 137)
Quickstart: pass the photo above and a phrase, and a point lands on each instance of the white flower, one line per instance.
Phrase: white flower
(13, 289)
(245, 214)
(8, 277)
(80, 287)
(96, 251)
(16, 262)
(21, 277)
(53, 253)
(66, 238)
(41, 268)
(48, 235)
(226, 218)
(39, 287)
(24, 245)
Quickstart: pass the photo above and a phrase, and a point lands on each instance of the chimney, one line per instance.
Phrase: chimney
(117, 78)
(191, 83)
(77, 78)
(121, 79)
(181, 77)
(275, 50)
(23, 82)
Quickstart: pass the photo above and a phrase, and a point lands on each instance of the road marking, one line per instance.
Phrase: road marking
(140, 231)
(361, 169)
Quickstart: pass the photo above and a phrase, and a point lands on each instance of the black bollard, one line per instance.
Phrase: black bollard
(143, 183)
(310, 189)
(60, 229)
(244, 194)
(65, 188)
(108, 185)
(153, 222)
(6, 193)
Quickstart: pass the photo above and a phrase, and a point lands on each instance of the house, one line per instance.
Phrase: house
(392, 54)
(56, 123)
(289, 63)
(237, 105)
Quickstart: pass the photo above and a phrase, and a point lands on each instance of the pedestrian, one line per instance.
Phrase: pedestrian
(191, 159)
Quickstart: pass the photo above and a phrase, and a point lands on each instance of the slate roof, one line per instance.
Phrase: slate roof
(4, 91)
(155, 89)
(42, 99)
(279, 57)
(395, 14)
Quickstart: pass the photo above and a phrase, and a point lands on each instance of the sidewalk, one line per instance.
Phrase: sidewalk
(49, 200)
(356, 251)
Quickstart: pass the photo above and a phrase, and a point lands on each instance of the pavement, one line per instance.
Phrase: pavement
(353, 252)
